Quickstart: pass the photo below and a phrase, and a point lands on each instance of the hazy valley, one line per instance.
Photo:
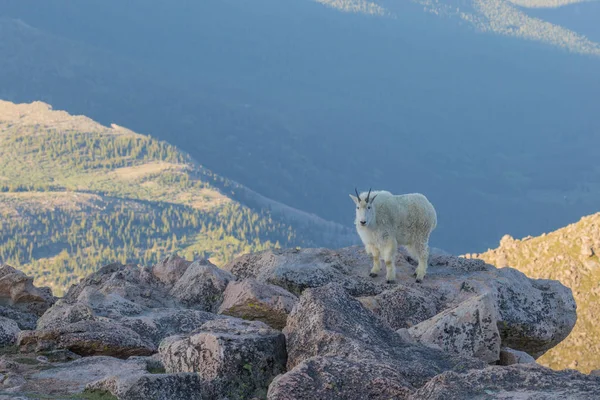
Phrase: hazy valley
(498, 131)
(75, 195)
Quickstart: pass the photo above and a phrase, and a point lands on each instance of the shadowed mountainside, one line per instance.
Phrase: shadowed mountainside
(75, 194)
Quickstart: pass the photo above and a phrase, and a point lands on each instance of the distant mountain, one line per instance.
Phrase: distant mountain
(570, 255)
(75, 195)
(506, 17)
(301, 102)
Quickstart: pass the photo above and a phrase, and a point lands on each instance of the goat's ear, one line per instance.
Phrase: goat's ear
(373, 199)
(354, 198)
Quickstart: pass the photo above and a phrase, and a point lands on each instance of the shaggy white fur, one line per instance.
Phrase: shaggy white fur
(385, 221)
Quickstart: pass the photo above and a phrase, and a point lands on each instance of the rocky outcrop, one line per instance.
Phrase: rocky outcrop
(328, 322)
(18, 292)
(509, 356)
(156, 387)
(21, 303)
(238, 358)
(252, 300)
(124, 310)
(570, 255)
(9, 331)
(20, 300)
(469, 329)
(201, 287)
(191, 330)
(531, 315)
(332, 378)
(528, 381)
(296, 270)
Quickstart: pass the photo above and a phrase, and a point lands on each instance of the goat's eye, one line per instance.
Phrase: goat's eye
(369, 207)
(357, 208)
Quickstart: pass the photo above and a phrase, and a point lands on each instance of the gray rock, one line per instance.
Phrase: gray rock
(21, 303)
(13, 380)
(202, 286)
(25, 320)
(252, 300)
(470, 329)
(74, 376)
(157, 387)
(403, 306)
(9, 330)
(332, 378)
(158, 324)
(18, 291)
(124, 310)
(329, 322)
(533, 315)
(171, 269)
(87, 338)
(595, 372)
(297, 270)
(509, 356)
(238, 357)
(524, 381)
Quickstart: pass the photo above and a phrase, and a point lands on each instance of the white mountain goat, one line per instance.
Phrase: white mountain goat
(385, 221)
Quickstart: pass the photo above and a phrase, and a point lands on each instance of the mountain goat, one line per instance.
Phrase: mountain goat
(385, 221)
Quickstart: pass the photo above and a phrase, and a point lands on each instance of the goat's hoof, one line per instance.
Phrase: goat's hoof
(372, 274)
(414, 275)
(419, 280)
(390, 281)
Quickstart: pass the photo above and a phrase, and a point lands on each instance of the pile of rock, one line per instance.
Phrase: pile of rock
(291, 324)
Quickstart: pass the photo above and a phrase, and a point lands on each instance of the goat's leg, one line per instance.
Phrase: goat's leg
(376, 261)
(421, 250)
(389, 251)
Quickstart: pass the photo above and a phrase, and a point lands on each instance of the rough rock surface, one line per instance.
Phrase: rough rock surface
(20, 300)
(88, 338)
(526, 381)
(171, 269)
(296, 270)
(9, 330)
(157, 387)
(252, 300)
(509, 356)
(201, 286)
(403, 306)
(36, 377)
(238, 357)
(332, 378)
(124, 310)
(348, 336)
(469, 329)
(533, 315)
(329, 322)
(18, 291)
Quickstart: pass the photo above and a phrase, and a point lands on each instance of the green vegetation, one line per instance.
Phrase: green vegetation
(571, 256)
(90, 394)
(74, 200)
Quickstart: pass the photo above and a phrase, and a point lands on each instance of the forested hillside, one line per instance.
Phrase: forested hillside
(475, 121)
(75, 195)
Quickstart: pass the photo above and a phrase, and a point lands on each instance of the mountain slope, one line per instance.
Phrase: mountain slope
(570, 255)
(505, 17)
(75, 194)
(301, 116)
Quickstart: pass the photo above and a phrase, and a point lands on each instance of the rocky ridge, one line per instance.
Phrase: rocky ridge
(569, 255)
(289, 324)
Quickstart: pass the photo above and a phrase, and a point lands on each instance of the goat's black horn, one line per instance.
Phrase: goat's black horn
(357, 195)
(368, 195)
